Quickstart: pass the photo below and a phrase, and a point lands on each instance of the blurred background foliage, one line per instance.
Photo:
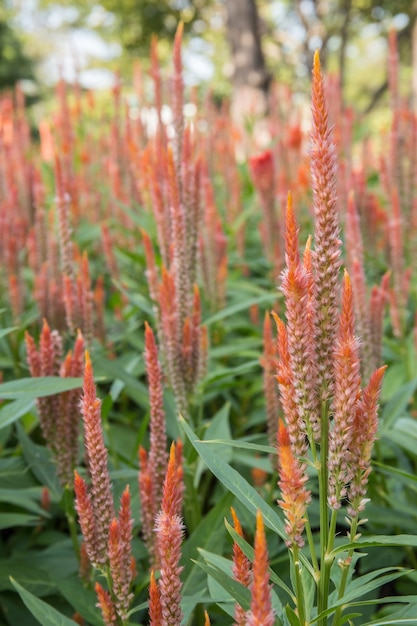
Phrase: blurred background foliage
(38, 37)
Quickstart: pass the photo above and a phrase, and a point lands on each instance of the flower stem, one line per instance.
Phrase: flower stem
(346, 568)
(323, 588)
(299, 586)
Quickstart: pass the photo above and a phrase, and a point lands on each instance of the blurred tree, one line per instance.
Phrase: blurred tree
(332, 24)
(249, 74)
(15, 65)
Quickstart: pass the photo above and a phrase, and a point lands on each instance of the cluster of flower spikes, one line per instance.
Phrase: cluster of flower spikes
(59, 414)
(107, 537)
(319, 364)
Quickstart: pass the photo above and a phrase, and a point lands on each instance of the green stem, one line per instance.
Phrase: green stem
(323, 588)
(299, 587)
(310, 541)
(346, 568)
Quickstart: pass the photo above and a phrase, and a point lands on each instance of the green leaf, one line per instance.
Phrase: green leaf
(234, 589)
(397, 405)
(35, 579)
(44, 613)
(38, 387)
(81, 599)
(239, 306)
(9, 520)
(377, 541)
(40, 462)
(15, 409)
(234, 482)
(7, 331)
(25, 498)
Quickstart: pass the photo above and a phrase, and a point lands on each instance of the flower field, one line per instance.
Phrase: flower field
(208, 351)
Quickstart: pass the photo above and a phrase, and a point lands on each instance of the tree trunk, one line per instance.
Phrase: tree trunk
(250, 77)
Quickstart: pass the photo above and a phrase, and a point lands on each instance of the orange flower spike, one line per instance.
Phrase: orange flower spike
(87, 520)
(174, 192)
(155, 608)
(101, 491)
(346, 323)
(206, 619)
(295, 496)
(261, 612)
(241, 569)
(327, 243)
(106, 605)
(292, 255)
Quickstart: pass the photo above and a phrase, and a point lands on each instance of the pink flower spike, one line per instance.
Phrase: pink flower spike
(101, 494)
(295, 496)
(365, 426)
(347, 392)
(327, 244)
(106, 605)
(169, 529)
(261, 612)
(155, 608)
(158, 456)
(297, 288)
(87, 521)
(241, 570)
(285, 378)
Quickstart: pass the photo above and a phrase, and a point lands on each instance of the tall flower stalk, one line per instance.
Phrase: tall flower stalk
(107, 537)
(330, 420)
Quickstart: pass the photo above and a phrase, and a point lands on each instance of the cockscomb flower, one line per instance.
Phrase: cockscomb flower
(119, 555)
(285, 377)
(155, 608)
(241, 569)
(106, 605)
(327, 243)
(261, 612)
(59, 414)
(158, 455)
(169, 528)
(96, 456)
(262, 171)
(347, 391)
(364, 429)
(295, 496)
(296, 285)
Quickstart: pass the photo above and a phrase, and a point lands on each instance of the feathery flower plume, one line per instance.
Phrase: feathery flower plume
(286, 385)
(262, 171)
(96, 456)
(295, 496)
(87, 520)
(327, 244)
(158, 456)
(106, 605)
(261, 612)
(169, 528)
(365, 426)
(241, 570)
(155, 608)
(178, 95)
(59, 414)
(347, 391)
(296, 285)
(119, 555)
